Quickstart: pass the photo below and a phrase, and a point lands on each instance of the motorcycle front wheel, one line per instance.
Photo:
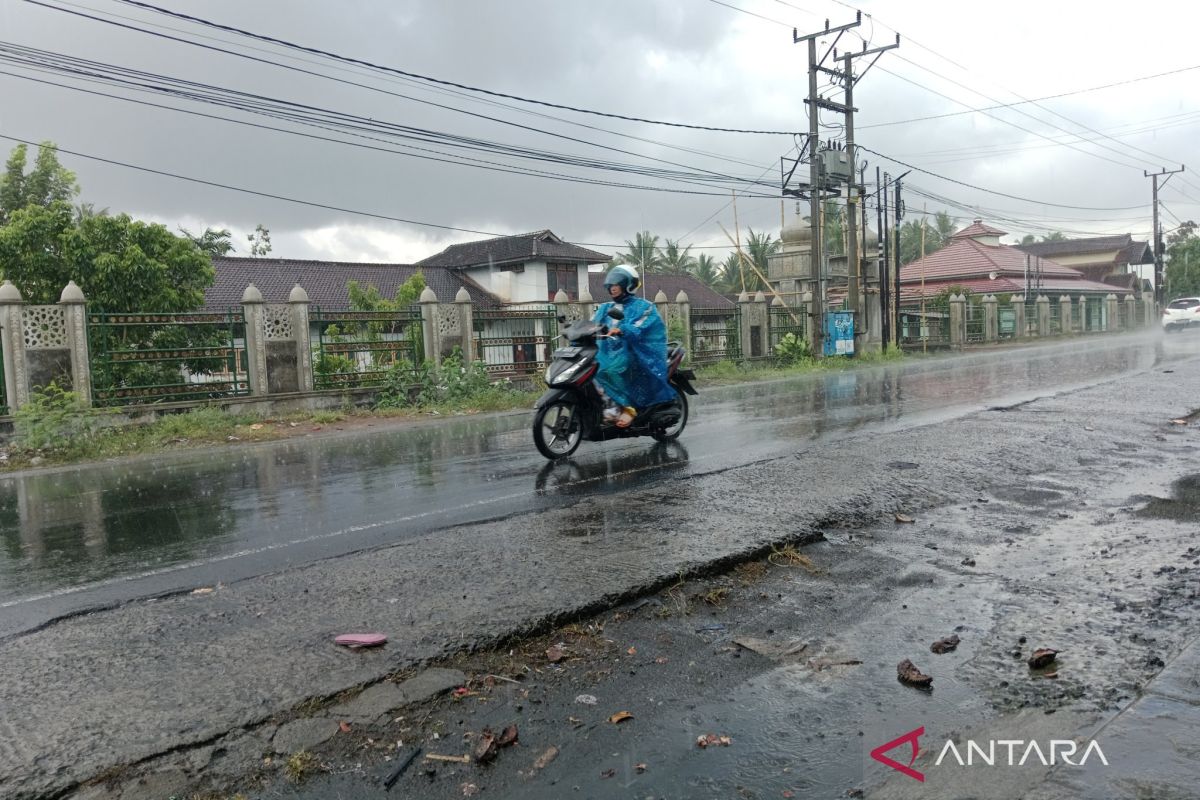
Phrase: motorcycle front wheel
(557, 429)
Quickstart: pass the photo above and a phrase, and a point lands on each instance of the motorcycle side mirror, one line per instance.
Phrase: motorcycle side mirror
(616, 313)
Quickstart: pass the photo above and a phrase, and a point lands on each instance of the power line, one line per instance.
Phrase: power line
(374, 123)
(993, 191)
(1034, 100)
(459, 160)
(294, 200)
(439, 81)
(414, 84)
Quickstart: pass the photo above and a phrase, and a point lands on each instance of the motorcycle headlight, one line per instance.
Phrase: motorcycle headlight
(564, 376)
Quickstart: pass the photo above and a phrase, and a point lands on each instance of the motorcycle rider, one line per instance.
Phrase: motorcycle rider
(633, 357)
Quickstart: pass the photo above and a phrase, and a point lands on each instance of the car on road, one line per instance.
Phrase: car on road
(1181, 313)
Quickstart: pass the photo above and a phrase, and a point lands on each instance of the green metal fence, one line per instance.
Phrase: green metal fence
(924, 328)
(781, 321)
(149, 358)
(975, 327)
(362, 348)
(516, 341)
(1056, 327)
(715, 335)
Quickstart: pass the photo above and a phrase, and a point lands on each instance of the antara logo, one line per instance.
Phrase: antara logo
(1012, 753)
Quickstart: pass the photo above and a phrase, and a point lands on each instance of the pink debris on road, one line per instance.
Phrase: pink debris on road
(360, 639)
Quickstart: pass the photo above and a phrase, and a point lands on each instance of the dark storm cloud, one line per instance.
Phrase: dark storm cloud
(691, 61)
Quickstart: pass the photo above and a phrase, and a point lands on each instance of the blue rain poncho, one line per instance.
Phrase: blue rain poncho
(633, 366)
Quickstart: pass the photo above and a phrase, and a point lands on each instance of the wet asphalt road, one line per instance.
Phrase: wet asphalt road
(192, 676)
(95, 536)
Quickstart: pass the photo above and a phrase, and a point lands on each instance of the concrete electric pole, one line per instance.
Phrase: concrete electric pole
(1159, 299)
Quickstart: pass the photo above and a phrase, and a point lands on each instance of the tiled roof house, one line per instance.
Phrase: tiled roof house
(975, 260)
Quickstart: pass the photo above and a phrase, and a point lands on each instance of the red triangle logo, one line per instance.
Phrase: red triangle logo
(912, 738)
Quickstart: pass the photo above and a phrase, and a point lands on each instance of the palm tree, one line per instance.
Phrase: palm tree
(88, 211)
(676, 261)
(643, 253)
(212, 241)
(758, 247)
(707, 271)
(730, 280)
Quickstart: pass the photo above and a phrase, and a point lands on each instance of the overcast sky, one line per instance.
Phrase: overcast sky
(692, 61)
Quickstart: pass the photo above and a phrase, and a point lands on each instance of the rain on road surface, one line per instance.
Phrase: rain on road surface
(89, 536)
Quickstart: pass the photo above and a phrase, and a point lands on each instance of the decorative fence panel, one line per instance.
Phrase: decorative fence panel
(715, 335)
(975, 325)
(516, 341)
(925, 328)
(362, 348)
(148, 358)
(781, 321)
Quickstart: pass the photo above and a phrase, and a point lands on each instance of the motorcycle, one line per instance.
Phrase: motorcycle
(572, 408)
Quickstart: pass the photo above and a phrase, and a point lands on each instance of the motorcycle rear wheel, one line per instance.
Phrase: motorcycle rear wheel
(557, 429)
(671, 433)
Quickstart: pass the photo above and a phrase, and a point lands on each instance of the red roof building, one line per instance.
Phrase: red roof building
(976, 261)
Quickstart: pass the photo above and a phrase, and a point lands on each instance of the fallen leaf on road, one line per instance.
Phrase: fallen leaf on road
(554, 654)
(357, 640)
(945, 645)
(619, 717)
(545, 758)
(712, 740)
(1179, 422)
(765, 647)
(632, 651)
(485, 750)
(469, 790)
(639, 768)
(608, 773)
(344, 727)
(586, 699)
(907, 672)
(1042, 657)
(507, 736)
(203, 590)
(575, 721)
(903, 517)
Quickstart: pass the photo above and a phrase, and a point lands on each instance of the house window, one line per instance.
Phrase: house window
(562, 276)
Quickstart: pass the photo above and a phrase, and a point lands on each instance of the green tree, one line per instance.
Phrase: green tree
(1182, 272)
(758, 247)
(48, 182)
(212, 241)
(87, 210)
(121, 264)
(1055, 236)
(674, 260)
(707, 270)
(730, 280)
(937, 233)
(260, 241)
(642, 253)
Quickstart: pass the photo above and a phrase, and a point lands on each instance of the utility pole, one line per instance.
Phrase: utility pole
(853, 260)
(885, 239)
(815, 184)
(896, 253)
(1159, 299)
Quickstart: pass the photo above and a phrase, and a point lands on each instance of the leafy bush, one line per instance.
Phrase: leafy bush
(54, 419)
(792, 350)
(454, 383)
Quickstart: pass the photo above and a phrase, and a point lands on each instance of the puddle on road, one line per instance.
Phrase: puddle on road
(1182, 506)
